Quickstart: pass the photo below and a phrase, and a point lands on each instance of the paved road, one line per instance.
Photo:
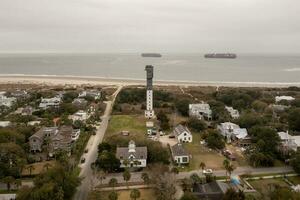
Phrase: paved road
(90, 157)
(136, 176)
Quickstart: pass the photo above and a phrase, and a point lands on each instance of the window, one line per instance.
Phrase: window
(184, 134)
(121, 157)
(184, 159)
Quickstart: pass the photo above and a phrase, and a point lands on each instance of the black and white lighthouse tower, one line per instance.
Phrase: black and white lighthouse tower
(149, 112)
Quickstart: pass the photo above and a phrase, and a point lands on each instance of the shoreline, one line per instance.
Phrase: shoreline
(93, 80)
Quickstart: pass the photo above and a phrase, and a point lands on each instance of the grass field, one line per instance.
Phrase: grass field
(146, 194)
(38, 167)
(135, 124)
(262, 186)
(200, 153)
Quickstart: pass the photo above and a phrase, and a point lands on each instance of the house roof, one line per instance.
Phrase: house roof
(41, 133)
(284, 135)
(212, 187)
(297, 140)
(140, 152)
(229, 125)
(178, 150)
(240, 133)
(179, 129)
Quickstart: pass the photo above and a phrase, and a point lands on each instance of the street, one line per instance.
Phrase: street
(86, 172)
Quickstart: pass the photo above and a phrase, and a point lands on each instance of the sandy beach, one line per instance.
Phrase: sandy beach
(79, 80)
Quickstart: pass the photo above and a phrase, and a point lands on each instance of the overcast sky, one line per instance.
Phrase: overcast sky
(241, 26)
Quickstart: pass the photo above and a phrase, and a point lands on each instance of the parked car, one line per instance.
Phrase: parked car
(82, 160)
(207, 171)
(86, 150)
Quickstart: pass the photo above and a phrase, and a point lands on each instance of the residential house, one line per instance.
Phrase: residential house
(151, 130)
(233, 132)
(9, 196)
(287, 142)
(179, 154)
(79, 116)
(286, 98)
(132, 156)
(19, 94)
(4, 124)
(96, 94)
(200, 111)
(233, 112)
(297, 141)
(50, 102)
(6, 101)
(36, 141)
(211, 191)
(278, 107)
(183, 134)
(56, 139)
(80, 103)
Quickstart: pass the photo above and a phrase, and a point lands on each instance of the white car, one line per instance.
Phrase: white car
(207, 171)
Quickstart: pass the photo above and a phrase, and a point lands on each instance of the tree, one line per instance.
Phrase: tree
(231, 194)
(295, 162)
(113, 195)
(195, 178)
(107, 161)
(8, 180)
(113, 183)
(175, 170)
(135, 194)
(228, 167)
(164, 120)
(202, 165)
(196, 124)
(101, 176)
(188, 196)
(145, 178)
(126, 176)
(104, 146)
(30, 168)
(294, 119)
(186, 184)
(182, 106)
(214, 140)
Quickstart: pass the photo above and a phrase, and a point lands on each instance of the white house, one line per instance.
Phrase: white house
(90, 93)
(232, 131)
(4, 124)
(6, 101)
(132, 156)
(182, 134)
(80, 116)
(286, 98)
(179, 154)
(200, 111)
(233, 112)
(50, 102)
(287, 142)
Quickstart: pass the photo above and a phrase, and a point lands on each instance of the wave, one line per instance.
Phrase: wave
(296, 69)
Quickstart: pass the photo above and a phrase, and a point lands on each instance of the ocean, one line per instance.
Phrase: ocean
(171, 67)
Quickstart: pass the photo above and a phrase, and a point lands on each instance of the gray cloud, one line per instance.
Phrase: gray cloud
(268, 26)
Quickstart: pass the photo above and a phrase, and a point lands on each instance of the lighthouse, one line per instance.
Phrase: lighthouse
(149, 112)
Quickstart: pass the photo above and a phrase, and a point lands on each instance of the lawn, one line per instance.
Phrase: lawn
(262, 186)
(135, 124)
(200, 153)
(38, 167)
(146, 194)
(294, 179)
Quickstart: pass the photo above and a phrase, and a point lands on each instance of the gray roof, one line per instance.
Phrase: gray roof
(42, 132)
(179, 129)
(213, 190)
(178, 150)
(140, 152)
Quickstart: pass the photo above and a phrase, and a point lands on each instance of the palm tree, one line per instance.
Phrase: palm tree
(8, 180)
(47, 166)
(125, 162)
(228, 167)
(113, 183)
(18, 183)
(135, 194)
(202, 165)
(145, 178)
(30, 168)
(113, 195)
(126, 176)
(101, 176)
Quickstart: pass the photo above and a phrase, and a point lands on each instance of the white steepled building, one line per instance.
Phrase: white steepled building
(149, 112)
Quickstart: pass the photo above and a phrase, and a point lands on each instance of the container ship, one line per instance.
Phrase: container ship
(151, 55)
(220, 55)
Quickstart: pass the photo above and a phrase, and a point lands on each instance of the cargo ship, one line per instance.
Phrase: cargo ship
(157, 55)
(220, 55)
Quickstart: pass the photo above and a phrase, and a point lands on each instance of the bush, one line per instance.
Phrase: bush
(196, 124)
(214, 140)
